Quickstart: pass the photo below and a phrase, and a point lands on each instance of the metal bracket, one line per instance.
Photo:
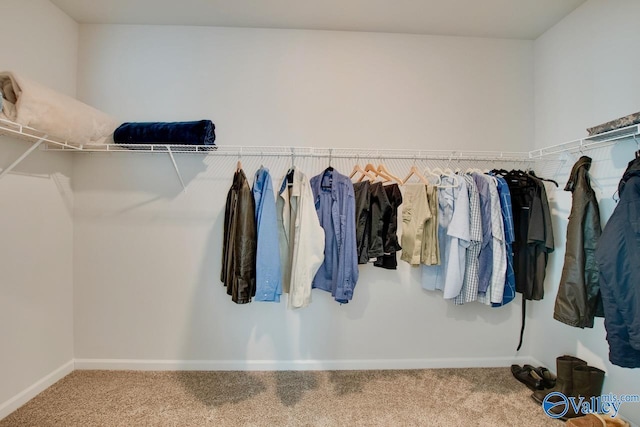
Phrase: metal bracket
(175, 166)
(23, 156)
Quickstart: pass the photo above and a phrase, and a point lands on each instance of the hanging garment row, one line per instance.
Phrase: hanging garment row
(601, 271)
(478, 236)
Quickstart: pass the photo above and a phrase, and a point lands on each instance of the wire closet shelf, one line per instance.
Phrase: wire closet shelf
(51, 143)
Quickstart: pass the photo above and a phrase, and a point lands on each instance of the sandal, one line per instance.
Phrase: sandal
(528, 376)
(548, 379)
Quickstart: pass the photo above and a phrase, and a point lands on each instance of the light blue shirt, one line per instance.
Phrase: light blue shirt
(335, 204)
(268, 273)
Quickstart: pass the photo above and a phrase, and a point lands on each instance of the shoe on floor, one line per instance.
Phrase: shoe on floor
(548, 379)
(597, 420)
(528, 376)
(564, 381)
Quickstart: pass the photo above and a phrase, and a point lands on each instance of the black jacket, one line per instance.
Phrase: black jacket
(618, 257)
(240, 241)
(578, 299)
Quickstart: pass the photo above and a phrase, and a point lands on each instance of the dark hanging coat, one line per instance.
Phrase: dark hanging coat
(240, 241)
(578, 299)
(618, 257)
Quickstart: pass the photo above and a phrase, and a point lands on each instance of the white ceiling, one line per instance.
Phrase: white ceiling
(521, 19)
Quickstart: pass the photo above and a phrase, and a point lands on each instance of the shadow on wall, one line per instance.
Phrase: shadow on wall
(43, 165)
(144, 172)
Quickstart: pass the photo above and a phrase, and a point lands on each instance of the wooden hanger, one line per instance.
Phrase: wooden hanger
(371, 169)
(414, 171)
(383, 170)
(357, 169)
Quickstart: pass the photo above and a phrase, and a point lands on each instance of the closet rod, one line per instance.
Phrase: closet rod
(363, 154)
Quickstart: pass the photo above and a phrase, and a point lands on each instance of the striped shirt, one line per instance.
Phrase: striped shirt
(469, 291)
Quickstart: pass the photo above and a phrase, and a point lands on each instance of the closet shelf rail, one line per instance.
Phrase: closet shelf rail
(50, 143)
(30, 134)
(591, 142)
(53, 144)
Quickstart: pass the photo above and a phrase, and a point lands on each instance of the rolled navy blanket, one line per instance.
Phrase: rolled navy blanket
(200, 132)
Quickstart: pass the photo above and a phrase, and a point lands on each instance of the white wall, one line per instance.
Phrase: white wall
(36, 290)
(585, 74)
(147, 256)
(315, 88)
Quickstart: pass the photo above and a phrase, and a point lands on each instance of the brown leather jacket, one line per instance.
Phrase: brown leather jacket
(578, 299)
(240, 240)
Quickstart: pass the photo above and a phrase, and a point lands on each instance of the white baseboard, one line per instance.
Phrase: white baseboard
(297, 365)
(33, 390)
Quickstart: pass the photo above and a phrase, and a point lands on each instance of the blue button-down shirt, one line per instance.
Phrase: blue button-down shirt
(335, 205)
(509, 237)
(268, 273)
(485, 259)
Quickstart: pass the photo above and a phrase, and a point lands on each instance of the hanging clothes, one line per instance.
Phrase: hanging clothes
(453, 237)
(363, 223)
(533, 237)
(335, 206)
(618, 258)
(533, 233)
(415, 213)
(239, 241)
(509, 290)
(578, 300)
(420, 225)
(459, 232)
(390, 229)
(268, 269)
(380, 207)
(485, 258)
(301, 238)
(430, 254)
(499, 254)
(469, 290)
(540, 237)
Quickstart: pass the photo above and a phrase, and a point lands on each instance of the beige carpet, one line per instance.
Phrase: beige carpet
(434, 397)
